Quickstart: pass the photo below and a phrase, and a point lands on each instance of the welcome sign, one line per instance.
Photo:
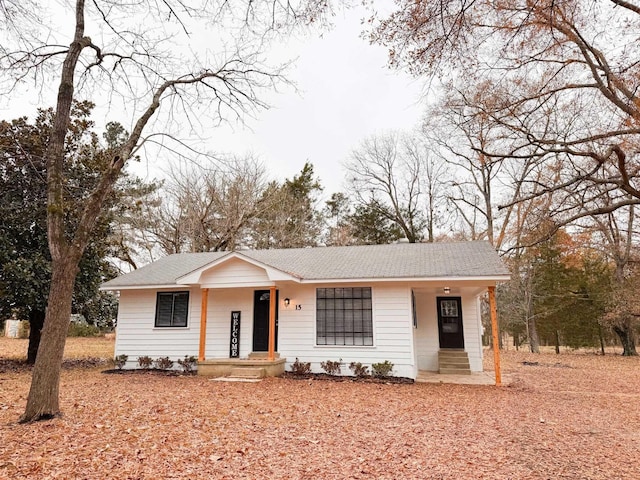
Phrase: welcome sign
(234, 346)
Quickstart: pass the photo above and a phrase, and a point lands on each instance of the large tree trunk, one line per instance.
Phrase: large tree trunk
(626, 338)
(42, 402)
(36, 322)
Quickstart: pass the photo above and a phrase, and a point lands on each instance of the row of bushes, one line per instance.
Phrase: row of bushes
(145, 362)
(331, 367)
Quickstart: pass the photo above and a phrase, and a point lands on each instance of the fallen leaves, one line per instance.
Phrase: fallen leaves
(566, 423)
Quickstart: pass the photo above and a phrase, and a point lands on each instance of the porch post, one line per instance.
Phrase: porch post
(494, 333)
(272, 323)
(203, 322)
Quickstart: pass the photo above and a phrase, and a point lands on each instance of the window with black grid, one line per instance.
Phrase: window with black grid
(172, 309)
(343, 316)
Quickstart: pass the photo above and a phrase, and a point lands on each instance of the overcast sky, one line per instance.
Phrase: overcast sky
(345, 92)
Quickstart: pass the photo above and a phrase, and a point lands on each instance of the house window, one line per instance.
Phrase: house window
(343, 316)
(172, 309)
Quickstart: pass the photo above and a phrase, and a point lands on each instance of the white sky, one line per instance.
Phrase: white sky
(345, 92)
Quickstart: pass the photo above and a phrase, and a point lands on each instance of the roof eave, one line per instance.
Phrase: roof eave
(113, 288)
(482, 278)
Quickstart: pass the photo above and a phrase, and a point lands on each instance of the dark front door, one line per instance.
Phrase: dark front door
(450, 322)
(261, 320)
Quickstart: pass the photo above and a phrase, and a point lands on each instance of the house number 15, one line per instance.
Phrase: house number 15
(298, 307)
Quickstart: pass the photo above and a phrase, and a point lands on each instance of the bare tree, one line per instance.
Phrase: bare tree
(395, 175)
(478, 182)
(207, 209)
(562, 77)
(617, 237)
(432, 175)
(159, 75)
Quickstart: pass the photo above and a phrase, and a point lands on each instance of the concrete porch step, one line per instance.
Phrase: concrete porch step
(452, 353)
(262, 355)
(453, 362)
(454, 371)
(247, 372)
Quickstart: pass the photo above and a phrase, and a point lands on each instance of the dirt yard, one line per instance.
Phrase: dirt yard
(568, 416)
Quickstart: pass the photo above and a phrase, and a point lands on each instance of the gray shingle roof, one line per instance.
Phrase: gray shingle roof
(402, 260)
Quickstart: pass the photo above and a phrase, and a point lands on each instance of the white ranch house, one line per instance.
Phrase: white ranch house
(410, 304)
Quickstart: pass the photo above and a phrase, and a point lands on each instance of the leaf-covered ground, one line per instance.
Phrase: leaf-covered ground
(568, 417)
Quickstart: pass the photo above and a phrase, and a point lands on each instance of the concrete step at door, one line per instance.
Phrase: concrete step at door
(247, 372)
(453, 362)
(262, 355)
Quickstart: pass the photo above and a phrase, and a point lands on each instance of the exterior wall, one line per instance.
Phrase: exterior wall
(392, 330)
(136, 335)
(427, 342)
(472, 333)
(234, 272)
(426, 334)
(395, 338)
(221, 303)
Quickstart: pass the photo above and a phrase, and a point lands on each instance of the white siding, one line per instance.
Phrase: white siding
(395, 339)
(136, 335)
(234, 272)
(427, 342)
(472, 338)
(221, 303)
(392, 330)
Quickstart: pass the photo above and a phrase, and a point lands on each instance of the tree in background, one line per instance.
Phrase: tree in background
(338, 209)
(393, 177)
(25, 263)
(290, 218)
(561, 83)
(615, 234)
(205, 208)
(369, 226)
(477, 183)
(25, 267)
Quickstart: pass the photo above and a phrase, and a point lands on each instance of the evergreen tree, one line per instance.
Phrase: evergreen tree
(25, 261)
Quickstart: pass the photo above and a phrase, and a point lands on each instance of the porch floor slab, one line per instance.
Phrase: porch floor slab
(475, 378)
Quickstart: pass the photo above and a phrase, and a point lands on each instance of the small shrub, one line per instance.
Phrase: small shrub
(332, 368)
(82, 330)
(188, 364)
(163, 363)
(383, 369)
(121, 360)
(145, 362)
(358, 369)
(300, 368)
